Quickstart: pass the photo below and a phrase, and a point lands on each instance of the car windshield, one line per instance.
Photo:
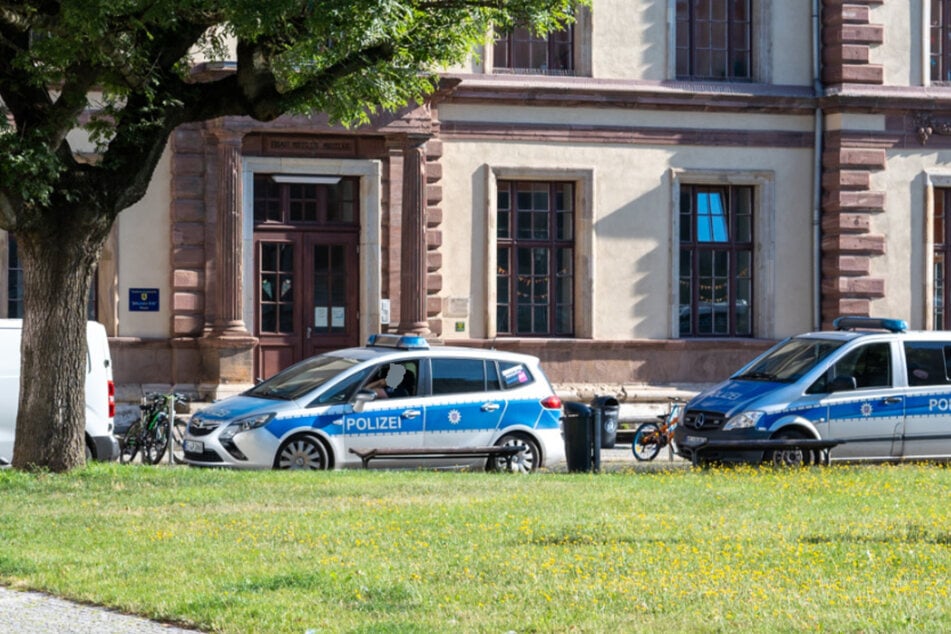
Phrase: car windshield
(788, 361)
(302, 378)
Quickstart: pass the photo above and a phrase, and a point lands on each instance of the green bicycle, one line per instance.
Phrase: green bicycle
(149, 434)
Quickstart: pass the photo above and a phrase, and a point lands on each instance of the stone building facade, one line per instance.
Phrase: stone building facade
(653, 197)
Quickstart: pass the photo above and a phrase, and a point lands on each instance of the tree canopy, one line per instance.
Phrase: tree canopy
(122, 70)
(345, 58)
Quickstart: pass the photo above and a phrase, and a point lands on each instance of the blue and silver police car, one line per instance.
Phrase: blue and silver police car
(395, 393)
(882, 390)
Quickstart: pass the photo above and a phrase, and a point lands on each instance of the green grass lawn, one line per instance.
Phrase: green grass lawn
(840, 549)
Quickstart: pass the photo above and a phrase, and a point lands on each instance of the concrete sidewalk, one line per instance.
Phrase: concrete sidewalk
(38, 613)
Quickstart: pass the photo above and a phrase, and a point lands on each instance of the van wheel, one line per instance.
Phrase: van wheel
(526, 461)
(794, 456)
(302, 452)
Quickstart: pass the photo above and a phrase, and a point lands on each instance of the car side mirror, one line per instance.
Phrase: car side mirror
(362, 398)
(843, 384)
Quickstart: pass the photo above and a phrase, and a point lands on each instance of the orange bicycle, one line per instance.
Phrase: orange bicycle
(651, 437)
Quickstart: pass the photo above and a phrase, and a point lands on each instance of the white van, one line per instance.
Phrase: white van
(101, 444)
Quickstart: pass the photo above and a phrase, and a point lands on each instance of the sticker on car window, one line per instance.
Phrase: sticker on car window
(516, 375)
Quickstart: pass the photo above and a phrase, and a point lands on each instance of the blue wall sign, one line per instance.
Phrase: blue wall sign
(144, 299)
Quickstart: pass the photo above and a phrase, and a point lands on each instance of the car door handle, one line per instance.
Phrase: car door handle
(410, 413)
(490, 407)
(891, 400)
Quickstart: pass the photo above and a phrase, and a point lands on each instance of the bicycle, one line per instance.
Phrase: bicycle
(651, 437)
(149, 434)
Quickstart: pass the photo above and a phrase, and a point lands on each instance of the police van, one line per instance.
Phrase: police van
(880, 389)
(101, 444)
(394, 394)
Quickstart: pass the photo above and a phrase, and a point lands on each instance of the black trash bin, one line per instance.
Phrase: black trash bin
(608, 407)
(582, 452)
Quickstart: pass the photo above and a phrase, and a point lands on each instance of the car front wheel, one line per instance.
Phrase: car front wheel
(792, 456)
(302, 452)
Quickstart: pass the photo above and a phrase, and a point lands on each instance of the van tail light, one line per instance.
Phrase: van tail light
(112, 399)
(552, 402)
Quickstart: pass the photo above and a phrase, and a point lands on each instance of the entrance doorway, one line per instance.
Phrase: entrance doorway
(306, 269)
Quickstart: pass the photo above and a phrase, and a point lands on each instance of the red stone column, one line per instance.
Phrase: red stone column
(227, 349)
(413, 240)
(229, 321)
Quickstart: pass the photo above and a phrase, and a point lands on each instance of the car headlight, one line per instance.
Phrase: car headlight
(245, 424)
(742, 421)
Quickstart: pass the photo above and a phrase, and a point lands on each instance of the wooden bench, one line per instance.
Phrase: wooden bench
(506, 451)
(821, 444)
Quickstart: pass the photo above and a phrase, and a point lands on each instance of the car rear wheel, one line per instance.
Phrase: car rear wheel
(302, 452)
(793, 456)
(525, 461)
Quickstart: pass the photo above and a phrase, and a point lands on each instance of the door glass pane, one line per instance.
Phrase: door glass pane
(276, 287)
(338, 291)
(322, 300)
(330, 289)
(287, 317)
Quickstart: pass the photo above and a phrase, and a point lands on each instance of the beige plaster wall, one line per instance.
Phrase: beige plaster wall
(787, 42)
(633, 202)
(904, 265)
(901, 53)
(144, 257)
(629, 39)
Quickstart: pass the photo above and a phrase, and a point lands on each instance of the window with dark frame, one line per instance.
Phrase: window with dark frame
(941, 234)
(15, 286)
(304, 201)
(940, 35)
(14, 281)
(521, 51)
(716, 261)
(714, 39)
(535, 256)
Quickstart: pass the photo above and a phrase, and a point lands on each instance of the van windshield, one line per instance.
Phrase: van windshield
(790, 360)
(301, 378)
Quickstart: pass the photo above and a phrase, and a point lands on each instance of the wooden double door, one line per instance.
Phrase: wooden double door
(306, 295)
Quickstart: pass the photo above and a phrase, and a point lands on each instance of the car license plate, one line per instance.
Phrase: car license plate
(695, 440)
(194, 446)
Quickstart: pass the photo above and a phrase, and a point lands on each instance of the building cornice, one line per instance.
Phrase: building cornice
(581, 92)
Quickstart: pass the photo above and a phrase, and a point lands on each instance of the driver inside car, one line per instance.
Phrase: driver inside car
(392, 381)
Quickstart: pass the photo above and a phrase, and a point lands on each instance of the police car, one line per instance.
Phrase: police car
(397, 392)
(882, 390)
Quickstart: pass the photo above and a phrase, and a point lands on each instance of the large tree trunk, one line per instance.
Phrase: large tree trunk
(58, 265)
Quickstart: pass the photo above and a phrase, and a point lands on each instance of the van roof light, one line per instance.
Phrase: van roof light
(403, 342)
(870, 323)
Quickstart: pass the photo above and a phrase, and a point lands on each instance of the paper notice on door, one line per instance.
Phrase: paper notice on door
(337, 314)
(320, 317)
